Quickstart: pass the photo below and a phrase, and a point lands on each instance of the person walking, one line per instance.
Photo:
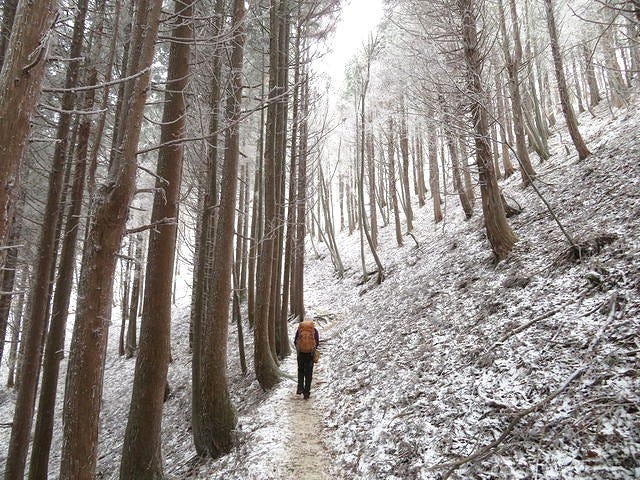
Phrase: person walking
(306, 341)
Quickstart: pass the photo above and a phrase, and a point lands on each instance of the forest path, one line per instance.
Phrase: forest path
(306, 456)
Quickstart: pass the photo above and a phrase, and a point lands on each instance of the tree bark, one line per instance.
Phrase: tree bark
(20, 84)
(457, 180)
(301, 199)
(54, 348)
(392, 183)
(141, 451)
(15, 330)
(132, 327)
(434, 176)
(592, 82)
(83, 392)
(615, 79)
(504, 128)
(37, 320)
(289, 286)
(217, 414)
(372, 190)
(404, 150)
(204, 254)
(466, 170)
(499, 232)
(281, 337)
(363, 213)
(265, 363)
(8, 278)
(124, 308)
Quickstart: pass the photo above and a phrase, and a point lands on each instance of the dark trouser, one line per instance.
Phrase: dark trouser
(305, 372)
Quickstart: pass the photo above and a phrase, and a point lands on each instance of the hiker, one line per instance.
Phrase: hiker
(306, 342)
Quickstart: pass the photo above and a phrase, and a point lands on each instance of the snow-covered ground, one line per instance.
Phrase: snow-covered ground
(438, 363)
(429, 367)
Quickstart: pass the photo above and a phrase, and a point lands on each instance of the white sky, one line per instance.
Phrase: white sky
(358, 18)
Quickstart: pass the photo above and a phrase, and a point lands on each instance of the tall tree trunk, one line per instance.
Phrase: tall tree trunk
(615, 79)
(15, 329)
(349, 205)
(281, 326)
(504, 128)
(289, 286)
(372, 190)
(592, 82)
(141, 451)
(217, 414)
(100, 127)
(37, 320)
(238, 319)
(363, 213)
(301, 198)
(576, 82)
(330, 238)
(567, 110)
(513, 66)
(204, 254)
(132, 328)
(244, 251)
(81, 412)
(499, 232)
(20, 84)
(124, 308)
(238, 236)
(8, 278)
(419, 160)
(404, 177)
(392, 183)
(495, 149)
(265, 363)
(256, 221)
(127, 65)
(457, 180)
(434, 175)
(466, 170)
(53, 353)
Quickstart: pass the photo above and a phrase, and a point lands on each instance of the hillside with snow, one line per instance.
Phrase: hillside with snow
(454, 366)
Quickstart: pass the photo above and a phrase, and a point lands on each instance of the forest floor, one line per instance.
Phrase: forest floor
(530, 366)
(524, 369)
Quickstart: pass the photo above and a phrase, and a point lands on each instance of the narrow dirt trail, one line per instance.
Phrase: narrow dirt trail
(288, 442)
(306, 456)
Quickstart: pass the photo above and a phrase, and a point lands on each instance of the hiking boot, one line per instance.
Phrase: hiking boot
(306, 396)
(299, 391)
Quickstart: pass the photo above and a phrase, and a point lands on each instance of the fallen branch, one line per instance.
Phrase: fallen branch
(544, 316)
(414, 239)
(521, 328)
(489, 449)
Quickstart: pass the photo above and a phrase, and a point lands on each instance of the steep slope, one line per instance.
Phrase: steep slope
(430, 367)
(527, 368)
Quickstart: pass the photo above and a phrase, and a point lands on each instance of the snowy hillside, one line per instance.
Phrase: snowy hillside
(528, 368)
(525, 369)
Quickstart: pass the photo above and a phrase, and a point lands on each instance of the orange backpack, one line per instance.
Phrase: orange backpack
(306, 339)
